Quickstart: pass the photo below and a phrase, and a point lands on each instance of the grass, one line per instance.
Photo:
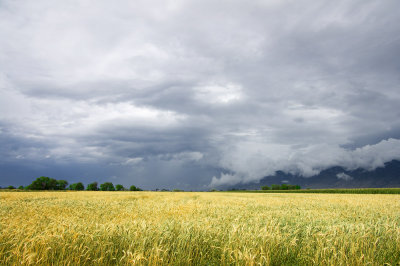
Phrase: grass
(330, 191)
(194, 228)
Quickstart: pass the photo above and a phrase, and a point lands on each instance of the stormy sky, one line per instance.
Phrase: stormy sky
(196, 94)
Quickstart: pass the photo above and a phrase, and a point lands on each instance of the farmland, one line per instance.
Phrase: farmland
(157, 228)
(330, 191)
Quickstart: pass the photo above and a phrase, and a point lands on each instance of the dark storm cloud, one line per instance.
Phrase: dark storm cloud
(191, 93)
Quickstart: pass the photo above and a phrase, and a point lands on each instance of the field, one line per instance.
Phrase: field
(330, 191)
(181, 228)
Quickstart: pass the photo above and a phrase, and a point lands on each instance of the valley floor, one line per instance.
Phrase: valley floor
(199, 228)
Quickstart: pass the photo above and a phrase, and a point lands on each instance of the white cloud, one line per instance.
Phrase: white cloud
(133, 161)
(225, 179)
(217, 94)
(250, 161)
(182, 156)
(344, 176)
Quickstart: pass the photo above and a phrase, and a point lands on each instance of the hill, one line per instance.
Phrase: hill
(336, 177)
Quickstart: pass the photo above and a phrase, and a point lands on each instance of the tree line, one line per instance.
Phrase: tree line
(47, 183)
(281, 187)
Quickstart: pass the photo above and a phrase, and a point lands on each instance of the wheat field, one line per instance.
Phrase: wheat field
(198, 228)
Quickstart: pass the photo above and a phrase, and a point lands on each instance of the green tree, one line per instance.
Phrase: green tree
(92, 186)
(43, 183)
(47, 183)
(119, 187)
(284, 187)
(10, 187)
(52, 185)
(107, 186)
(275, 187)
(61, 184)
(77, 186)
(265, 188)
(135, 188)
(21, 187)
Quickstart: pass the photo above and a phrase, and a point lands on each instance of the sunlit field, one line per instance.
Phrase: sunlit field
(158, 228)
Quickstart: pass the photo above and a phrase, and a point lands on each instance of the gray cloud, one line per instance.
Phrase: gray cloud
(196, 93)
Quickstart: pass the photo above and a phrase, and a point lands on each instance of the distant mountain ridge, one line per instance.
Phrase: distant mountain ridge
(335, 177)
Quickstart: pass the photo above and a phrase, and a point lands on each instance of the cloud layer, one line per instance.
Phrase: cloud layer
(251, 160)
(193, 94)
